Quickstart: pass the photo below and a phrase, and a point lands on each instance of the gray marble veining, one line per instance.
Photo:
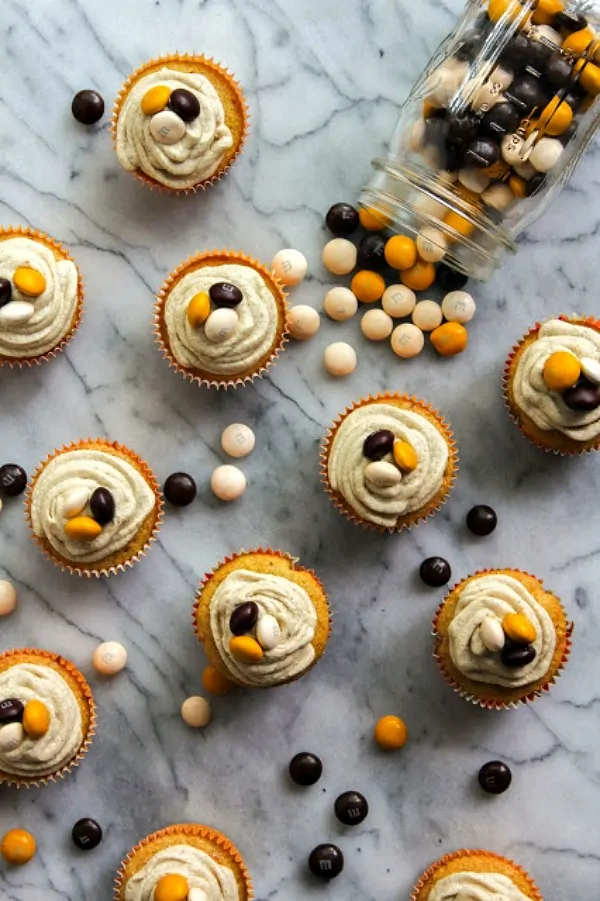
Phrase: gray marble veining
(324, 81)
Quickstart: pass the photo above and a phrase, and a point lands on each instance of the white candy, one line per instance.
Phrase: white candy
(238, 440)
(221, 324)
(407, 340)
(398, 301)
(8, 597)
(74, 501)
(339, 256)
(417, 136)
(458, 306)
(514, 151)
(109, 658)
(197, 894)
(473, 179)
(16, 312)
(376, 325)
(429, 206)
(547, 35)
(289, 266)
(427, 315)
(544, 155)
(11, 736)
(228, 482)
(166, 127)
(339, 358)
(590, 369)
(303, 322)
(196, 712)
(268, 632)
(525, 170)
(492, 634)
(431, 245)
(340, 304)
(382, 474)
(500, 197)
(487, 95)
(445, 81)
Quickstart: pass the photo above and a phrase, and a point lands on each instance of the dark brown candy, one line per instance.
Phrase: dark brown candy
(482, 152)
(502, 119)
(102, 506)
(224, 294)
(326, 861)
(87, 834)
(435, 571)
(494, 777)
(558, 70)
(351, 808)
(5, 291)
(185, 104)
(371, 252)
(526, 93)
(342, 220)
(378, 444)
(13, 480)
(87, 107)
(11, 711)
(584, 397)
(462, 129)
(515, 655)
(534, 184)
(482, 520)
(570, 21)
(305, 768)
(244, 617)
(180, 489)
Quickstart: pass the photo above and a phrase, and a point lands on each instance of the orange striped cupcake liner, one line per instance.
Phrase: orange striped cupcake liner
(466, 860)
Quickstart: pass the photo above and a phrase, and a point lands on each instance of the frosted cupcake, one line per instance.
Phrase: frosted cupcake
(94, 507)
(41, 297)
(552, 385)
(179, 122)
(47, 717)
(263, 620)
(388, 462)
(220, 319)
(501, 638)
(475, 876)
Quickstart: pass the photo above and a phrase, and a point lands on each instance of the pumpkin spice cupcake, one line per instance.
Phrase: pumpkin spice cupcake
(263, 620)
(94, 507)
(179, 122)
(389, 462)
(41, 297)
(476, 876)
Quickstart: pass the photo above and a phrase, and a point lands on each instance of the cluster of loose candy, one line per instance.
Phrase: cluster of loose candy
(169, 111)
(14, 309)
(80, 526)
(436, 571)
(215, 311)
(18, 846)
(578, 381)
(13, 481)
(252, 633)
(385, 473)
(19, 721)
(512, 639)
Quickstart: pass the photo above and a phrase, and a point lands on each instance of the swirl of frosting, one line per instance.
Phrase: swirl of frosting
(88, 470)
(60, 744)
(347, 463)
(253, 337)
(468, 886)
(547, 408)
(293, 609)
(192, 159)
(218, 882)
(495, 595)
(54, 308)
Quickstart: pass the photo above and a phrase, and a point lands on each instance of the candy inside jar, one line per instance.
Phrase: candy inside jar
(492, 129)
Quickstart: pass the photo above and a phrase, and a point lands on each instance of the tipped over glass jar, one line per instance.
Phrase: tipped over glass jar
(493, 128)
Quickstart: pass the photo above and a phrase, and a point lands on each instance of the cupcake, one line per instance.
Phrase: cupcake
(47, 717)
(186, 861)
(220, 319)
(501, 638)
(179, 122)
(263, 620)
(552, 385)
(475, 875)
(41, 297)
(388, 462)
(94, 507)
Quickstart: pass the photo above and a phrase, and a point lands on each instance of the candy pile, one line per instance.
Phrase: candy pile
(18, 846)
(20, 721)
(28, 282)
(215, 311)
(577, 381)
(82, 526)
(436, 571)
(169, 112)
(512, 639)
(401, 459)
(252, 634)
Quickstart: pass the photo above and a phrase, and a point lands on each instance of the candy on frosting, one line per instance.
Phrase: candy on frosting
(347, 463)
(202, 872)
(469, 886)
(190, 160)
(63, 738)
(54, 308)
(496, 595)
(276, 596)
(547, 408)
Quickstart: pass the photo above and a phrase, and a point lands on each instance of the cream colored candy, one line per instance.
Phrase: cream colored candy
(429, 206)
(197, 894)
(591, 369)
(407, 340)
(427, 315)
(196, 712)
(458, 306)
(473, 179)
(11, 737)
(166, 127)
(289, 266)
(339, 358)
(545, 155)
(303, 322)
(238, 440)
(398, 301)
(268, 632)
(383, 474)
(109, 658)
(431, 245)
(547, 34)
(525, 170)
(445, 81)
(228, 483)
(221, 324)
(8, 597)
(74, 502)
(17, 312)
(514, 151)
(500, 197)
(339, 256)
(340, 304)
(376, 325)
(492, 634)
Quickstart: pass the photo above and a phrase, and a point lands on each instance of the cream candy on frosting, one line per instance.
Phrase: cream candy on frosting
(495, 595)
(470, 886)
(60, 744)
(276, 596)
(188, 161)
(54, 309)
(347, 463)
(547, 408)
(202, 872)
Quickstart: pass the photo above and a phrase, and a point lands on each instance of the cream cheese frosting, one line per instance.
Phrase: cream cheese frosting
(192, 159)
(495, 595)
(54, 308)
(294, 611)
(60, 744)
(347, 463)
(251, 341)
(547, 408)
(202, 872)
(90, 469)
(469, 886)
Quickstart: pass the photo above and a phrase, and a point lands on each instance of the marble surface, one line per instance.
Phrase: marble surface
(324, 86)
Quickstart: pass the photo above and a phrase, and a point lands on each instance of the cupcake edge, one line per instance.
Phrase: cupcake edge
(465, 854)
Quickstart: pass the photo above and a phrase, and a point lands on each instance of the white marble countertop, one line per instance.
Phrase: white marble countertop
(324, 81)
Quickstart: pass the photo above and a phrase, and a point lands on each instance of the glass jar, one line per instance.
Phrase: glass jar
(492, 129)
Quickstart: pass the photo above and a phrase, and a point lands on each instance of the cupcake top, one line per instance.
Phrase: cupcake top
(387, 461)
(198, 868)
(540, 391)
(39, 698)
(473, 886)
(177, 135)
(39, 303)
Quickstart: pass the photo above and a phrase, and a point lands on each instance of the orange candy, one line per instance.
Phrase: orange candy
(215, 683)
(449, 339)
(371, 219)
(391, 733)
(171, 887)
(545, 12)
(18, 847)
(246, 649)
(518, 186)
(460, 224)
(589, 77)
(498, 8)
(419, 277)
(400, 252)
(578, 42)
(36, 719)
(561, 370)
(367, 286)
(556, 117)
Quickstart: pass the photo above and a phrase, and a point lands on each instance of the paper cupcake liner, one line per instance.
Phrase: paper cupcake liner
(23, 655)
(96, 569)
(212, 654)
(497, 703)
(221, 74)
(418, 516)
(464, 854)
(220, 257)
(567, 448)
(57, 249)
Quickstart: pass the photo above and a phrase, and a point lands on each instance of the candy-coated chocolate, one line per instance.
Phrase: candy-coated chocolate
(382, 474)
(492, 634)
(494, 777)
(155, 99)
(458, 306)
(36, 719)
(367, 286)
(86, 834)
(326, 861)
(5, 291)
(427, 315)
(102, 506)
(518, 186)
(589, 77)
(519, 628)
(171, 887)
(556, 117)
(431, 244)
(391, 733)
(449, 339)
(419, 277)
(305, 768)
(405, 456)
(591, 369)
(215, 682)
(372, 220)
(398, 301)
(246, 649)
(342, 219)
(534, 184)
(376, 325)
(29, 281)
(11, 711)
(482, 152)
(339, 256)
(339, 358)
(450, 279)
(13, 480)
(570, 20)
(196, 712)
(340, 304)
(303, 322)
(371, 252)
(221, 324)
(502, 119)
(561, 370)
(546, 11)
(435, 572)
(198, 309)
(546, 33)
(109, 658)
(526, 92)
(498, 9)
(166, 127)
(499, 197)
(578, 41)
(228, 483)
(474, 180)
(180, 489)
(224, 294)
(238, 440)
(351, 808)
(11, 737)
(513, 150)
(401, 252)
(82, 528)
(378, 444)
(407, 340)
(289, 266)
(268, 632)
(243, 618)
(583, 397)
(460, 224)
(8, 597)
(87, 107)
(185, 104)
(17, 847)
(482, 520)
(16, 313)
(558, 70)
(515, 656)
(74, 501)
